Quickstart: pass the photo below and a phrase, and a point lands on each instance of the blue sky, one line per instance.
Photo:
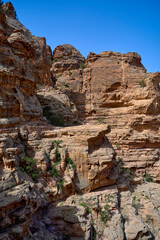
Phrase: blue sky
(97, 25)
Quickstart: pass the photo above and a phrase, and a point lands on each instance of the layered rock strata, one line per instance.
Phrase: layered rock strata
(116, 89)
(98, 180)
(87, 161)
(23, 64)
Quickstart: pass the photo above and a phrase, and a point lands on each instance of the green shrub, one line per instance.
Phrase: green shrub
(87, 207)
(117, 145)
(100, 120)
(55, 60)
(66, 85)
(57, 163)
(146, 196)
(148, 178)
(60, 184)
(70, 73)
(136, 204)
(58, 156)
(37, 86)
(56, 143)
(56, 121)
(47, 112)
(82, 65)
(51, 62)
(104, 213)
(120, 160)
(69, 162)
(48, 155)
(29, 166)
(54, 172)
(142, 84)
(125, 169)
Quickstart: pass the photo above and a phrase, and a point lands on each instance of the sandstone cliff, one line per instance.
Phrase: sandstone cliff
(79, 141)
(24, 63)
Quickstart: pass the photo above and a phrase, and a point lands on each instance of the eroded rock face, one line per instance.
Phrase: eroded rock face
(103, 214)
(88, 148)
(119, 85)
(121, 93)
(79, 182)
(23, 63)
(67, 67)
(66, 57)
(57, 106)
(85, 161)
(87, 165)
(116, 89)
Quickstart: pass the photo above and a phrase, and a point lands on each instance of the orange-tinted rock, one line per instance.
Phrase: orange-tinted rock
(66, 68)
(115, 88)
(67, 58)
(9, 9)
(23, 63)
(62, 111)
(110, 166)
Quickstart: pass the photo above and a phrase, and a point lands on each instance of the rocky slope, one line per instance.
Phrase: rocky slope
(79, 141)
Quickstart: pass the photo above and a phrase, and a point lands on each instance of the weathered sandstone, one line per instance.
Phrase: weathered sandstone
(23, 64)
(96, 178)
(116, 89)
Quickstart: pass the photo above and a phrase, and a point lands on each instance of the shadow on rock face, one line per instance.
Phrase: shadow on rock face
(60, 223)
(58, 108)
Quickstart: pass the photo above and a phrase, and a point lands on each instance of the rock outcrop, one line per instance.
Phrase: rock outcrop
(79, 141)
(116, 89)
(67, 67)
(85, 161)
(104, 214)
(57, 107)
(23, 64)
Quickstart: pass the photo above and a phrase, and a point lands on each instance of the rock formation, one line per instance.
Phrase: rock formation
(116, 89)
(24, 63)
(79, 141)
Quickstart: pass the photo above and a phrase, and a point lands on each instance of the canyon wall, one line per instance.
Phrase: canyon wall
(79, 141)
(24, 63)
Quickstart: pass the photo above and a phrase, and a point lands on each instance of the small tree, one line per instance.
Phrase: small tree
(28, 165)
